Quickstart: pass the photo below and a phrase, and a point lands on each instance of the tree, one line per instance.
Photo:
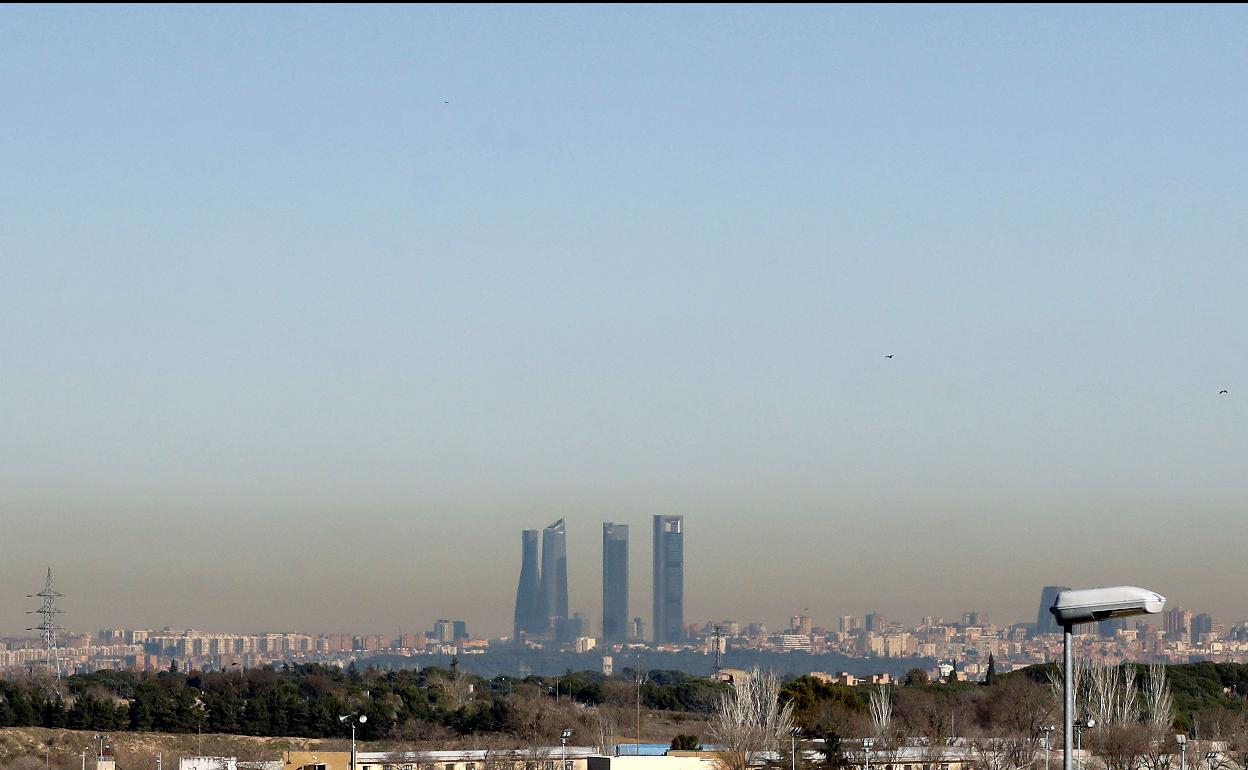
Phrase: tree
(990, 677)
(915, 676)
(881, 709)
(833, 752)
(748, 720)
(1158, 703)
(686, 742)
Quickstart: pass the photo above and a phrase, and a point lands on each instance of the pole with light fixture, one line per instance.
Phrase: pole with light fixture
(1090, 606)
(563, 742)
(354, 720)
(1047, 730)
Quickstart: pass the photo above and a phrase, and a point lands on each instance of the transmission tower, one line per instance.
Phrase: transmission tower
(48, 626)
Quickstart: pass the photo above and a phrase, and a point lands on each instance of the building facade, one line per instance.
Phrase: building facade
(529, 592)
(669, 579)
(1045, 622)
(614, 581)
(554, 576)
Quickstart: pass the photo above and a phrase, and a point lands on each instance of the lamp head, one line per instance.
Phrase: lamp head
(1092, 604)
(363, 718)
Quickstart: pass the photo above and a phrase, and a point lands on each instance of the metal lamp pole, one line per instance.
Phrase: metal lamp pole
(1182, 739)
(1047, 730)
(353, 720)
(563, 742)
(867, 743)
(793, 733)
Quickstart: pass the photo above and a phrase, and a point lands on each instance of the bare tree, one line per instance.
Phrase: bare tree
(881, 709)
(1111, 694)
(1007, 751)
(1122, 745)
(606, 728)
(1158, 704)
(749, 719)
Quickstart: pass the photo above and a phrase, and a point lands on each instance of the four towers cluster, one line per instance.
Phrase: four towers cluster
(542, 593)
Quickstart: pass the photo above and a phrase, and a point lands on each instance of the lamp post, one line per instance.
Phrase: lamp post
(563, 743)
(867, 743)
(354, 720)
(100, 738)
(1080, 726)
(1047, 730)
(1089, 606)
(793, 733)
(1182, 741)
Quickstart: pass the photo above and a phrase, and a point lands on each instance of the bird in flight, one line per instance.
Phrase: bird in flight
(1223, 392)
(890, 355)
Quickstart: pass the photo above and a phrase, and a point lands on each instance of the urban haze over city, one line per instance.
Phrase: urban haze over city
(540, 340)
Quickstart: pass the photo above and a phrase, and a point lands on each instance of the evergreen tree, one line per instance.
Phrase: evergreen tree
(990, 678)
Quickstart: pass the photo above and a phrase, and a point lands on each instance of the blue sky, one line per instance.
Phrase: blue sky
(296, 301)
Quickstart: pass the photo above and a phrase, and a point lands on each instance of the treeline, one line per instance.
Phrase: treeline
(1199, 689)
(439, 703)
(306, 700)
(1210, 701)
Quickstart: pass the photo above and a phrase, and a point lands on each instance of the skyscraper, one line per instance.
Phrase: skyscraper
(1045, 622)
(554, 576)
(669, 579)
(529, 591)
(614, 581)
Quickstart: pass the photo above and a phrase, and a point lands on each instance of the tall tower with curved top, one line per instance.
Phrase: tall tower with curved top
(554, 575)
(529, 591)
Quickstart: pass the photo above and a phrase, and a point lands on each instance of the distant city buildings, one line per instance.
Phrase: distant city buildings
(669, 579)
(555, 575)
(528, 616)
(614, 581)
(1045, 622)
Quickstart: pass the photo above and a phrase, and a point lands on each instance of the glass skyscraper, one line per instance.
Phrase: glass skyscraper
(1045, 622)
(529, 618)
(554, 576)
(614, 581)
(669, 579)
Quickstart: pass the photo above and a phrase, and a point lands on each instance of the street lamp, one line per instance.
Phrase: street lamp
(1182, 741)
(354, 720)
(1047, 730)
(1089, 606)
(793, 733)
(1080, 726)
(563, 742)
(867, 743)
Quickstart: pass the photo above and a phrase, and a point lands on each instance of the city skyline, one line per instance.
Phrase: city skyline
(869, 620)
(908, 309)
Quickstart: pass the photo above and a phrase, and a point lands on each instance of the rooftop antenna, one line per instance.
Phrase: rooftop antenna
(48, 626)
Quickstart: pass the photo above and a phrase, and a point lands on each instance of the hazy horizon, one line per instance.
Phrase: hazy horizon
(308, 312)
